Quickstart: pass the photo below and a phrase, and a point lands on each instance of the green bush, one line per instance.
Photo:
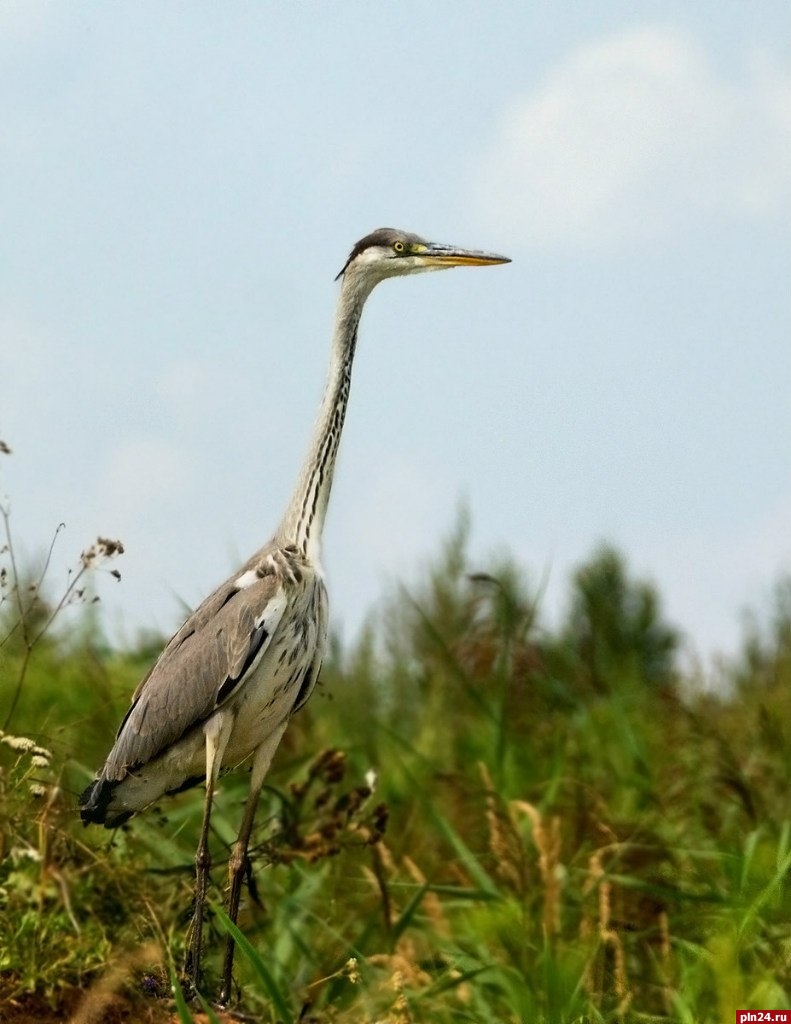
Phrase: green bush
(561, 829)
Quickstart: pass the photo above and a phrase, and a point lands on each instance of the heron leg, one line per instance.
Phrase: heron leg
(237, 865)
(217, 732)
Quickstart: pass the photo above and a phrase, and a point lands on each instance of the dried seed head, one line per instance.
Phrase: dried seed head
(101, 548)
(107, 548)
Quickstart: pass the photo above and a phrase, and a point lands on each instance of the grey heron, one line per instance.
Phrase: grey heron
(226, 685)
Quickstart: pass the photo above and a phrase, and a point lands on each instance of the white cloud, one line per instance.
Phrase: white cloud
(189, 387)
(387, 529)
(375, 533)
(24, 351)
(22, 21)
(629, 136)
(711, 576)
(143, 476)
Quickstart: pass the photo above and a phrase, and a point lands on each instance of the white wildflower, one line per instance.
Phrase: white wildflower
(371, 779)
(19, 743)
(18, 853)
(39, 761)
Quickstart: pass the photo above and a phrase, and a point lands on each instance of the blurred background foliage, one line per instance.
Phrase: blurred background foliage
(564, 824)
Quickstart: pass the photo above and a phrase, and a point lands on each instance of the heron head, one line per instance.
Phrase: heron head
(387, 252)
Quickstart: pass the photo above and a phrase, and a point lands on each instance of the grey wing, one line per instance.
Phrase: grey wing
(201, 667)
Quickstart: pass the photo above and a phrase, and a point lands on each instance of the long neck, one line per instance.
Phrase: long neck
(303, 521)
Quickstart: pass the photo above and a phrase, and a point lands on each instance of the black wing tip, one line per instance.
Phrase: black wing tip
(94, 804)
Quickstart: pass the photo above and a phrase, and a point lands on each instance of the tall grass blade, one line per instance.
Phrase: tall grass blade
(181, 1004)
(265, 976)
(405, 919)
(771, 891)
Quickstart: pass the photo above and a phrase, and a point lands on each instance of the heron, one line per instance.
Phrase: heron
(225, 686)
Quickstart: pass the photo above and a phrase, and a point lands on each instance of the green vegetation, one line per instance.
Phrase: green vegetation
(562, 828)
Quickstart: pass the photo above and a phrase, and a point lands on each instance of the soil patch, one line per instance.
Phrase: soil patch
(73, 1006)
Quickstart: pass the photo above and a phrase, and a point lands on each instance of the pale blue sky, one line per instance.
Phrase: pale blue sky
(179, 184)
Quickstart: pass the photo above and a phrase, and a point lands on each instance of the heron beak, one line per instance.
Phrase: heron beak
(450, 256)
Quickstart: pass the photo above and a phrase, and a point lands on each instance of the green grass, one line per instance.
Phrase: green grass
(574, 832)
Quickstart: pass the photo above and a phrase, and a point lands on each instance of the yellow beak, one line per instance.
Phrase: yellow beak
(451, 256)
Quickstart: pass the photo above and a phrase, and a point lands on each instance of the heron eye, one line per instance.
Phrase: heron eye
(398, 246)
